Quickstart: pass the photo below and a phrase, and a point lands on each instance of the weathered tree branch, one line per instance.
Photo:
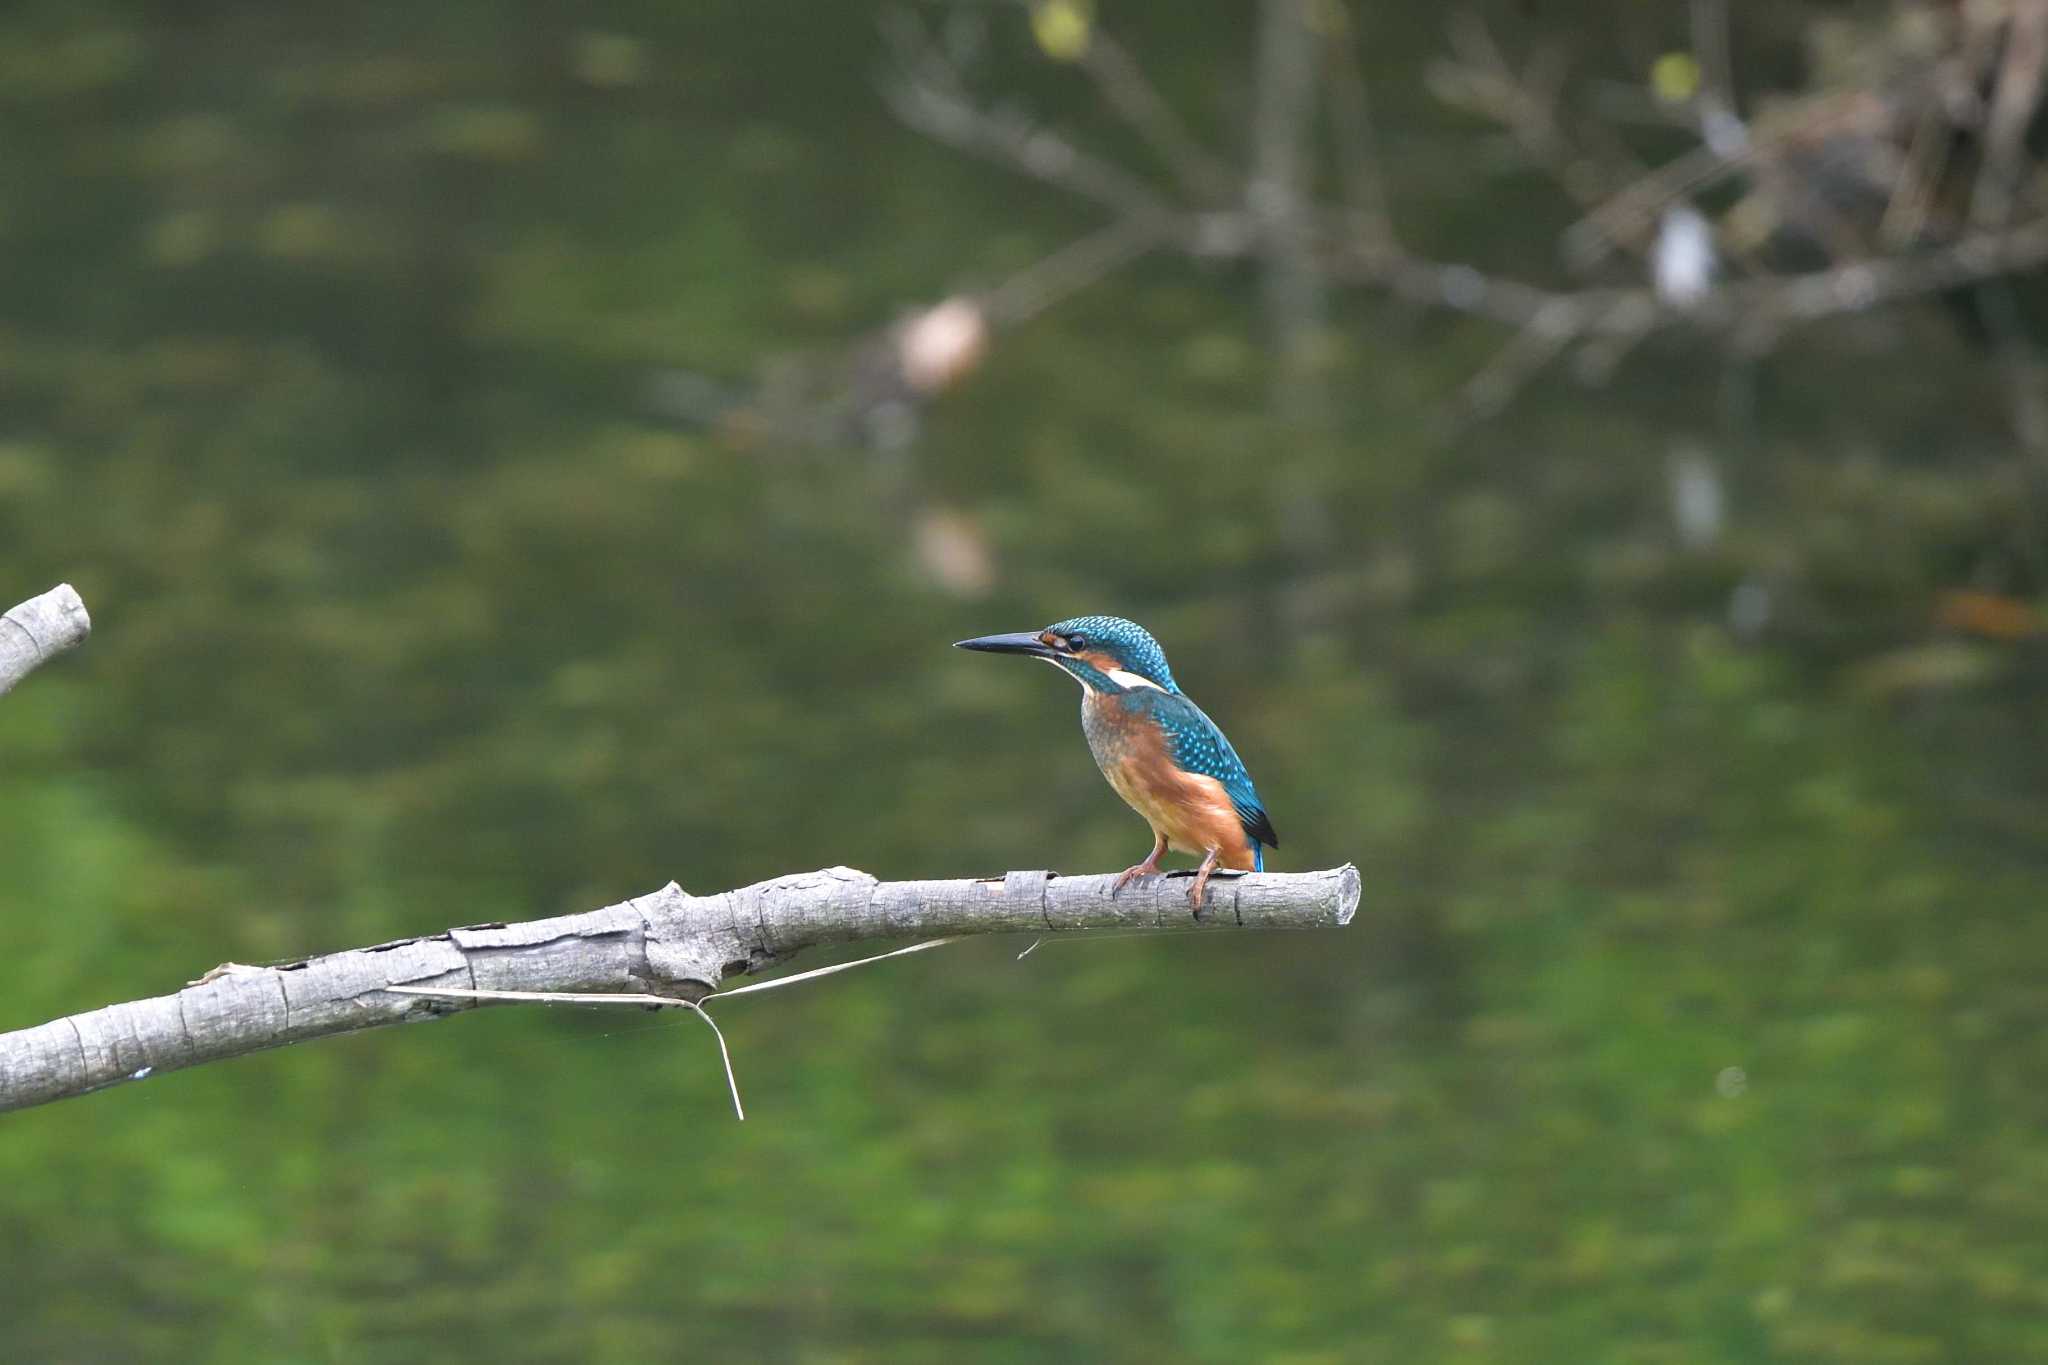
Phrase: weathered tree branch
(666, 943)
(39, 630)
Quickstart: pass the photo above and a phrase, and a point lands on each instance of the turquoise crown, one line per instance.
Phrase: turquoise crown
(1129, 643)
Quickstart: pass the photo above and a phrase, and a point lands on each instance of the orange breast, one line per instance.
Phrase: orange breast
(1191, 810)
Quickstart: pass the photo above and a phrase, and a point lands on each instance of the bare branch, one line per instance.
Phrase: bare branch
(1277, 199)
(1856, 170)
(1632, 212)
(1913, 190)
(928, 94)
(669, 944)
(1710, 48)
(1073, 267)
(1540, 341)
(1129, 93)
(39, 630)
(1124, 85)
(1351, 130)
(2012, 109)
(1526, 105)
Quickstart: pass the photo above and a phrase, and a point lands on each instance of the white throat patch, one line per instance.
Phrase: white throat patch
(1119, 676)
(1075, 676)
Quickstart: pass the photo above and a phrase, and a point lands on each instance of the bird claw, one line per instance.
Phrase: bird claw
(1125, 877)
(1201, 885)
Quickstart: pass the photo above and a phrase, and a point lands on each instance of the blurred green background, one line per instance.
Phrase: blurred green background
(1695, 1009)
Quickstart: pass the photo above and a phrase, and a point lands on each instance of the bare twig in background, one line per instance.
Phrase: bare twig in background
(1710, 46)
(1994, 200)
(2013, 100)
(872, 392)
(1072, 268)
(1277, 197)
(1714, 106)
(1527, 106)
(1351, 131)
(1827, 168)
(1860, 172)
(931, 95)
(1542, 339)
(1124, 86)
(668, 943)
(38, 630)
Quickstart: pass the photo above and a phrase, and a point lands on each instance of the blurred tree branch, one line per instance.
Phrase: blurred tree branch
(38, 630)
(1838, 205)
(1278, 195)
(667, 943)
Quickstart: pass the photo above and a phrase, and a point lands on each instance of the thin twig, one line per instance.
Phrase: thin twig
(1525, 104)
(1075, 266)
(928, 94)
(779, 982)
(1993, 198)
(1541, 341)
(1277, 199)
(1124, 85)
(1351, 128)
(732, 1082)
(1710, 49)
(641, 1000)
(591, 998)
(1633, 210)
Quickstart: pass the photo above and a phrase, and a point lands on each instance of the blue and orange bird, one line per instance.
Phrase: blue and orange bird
(1166, 759)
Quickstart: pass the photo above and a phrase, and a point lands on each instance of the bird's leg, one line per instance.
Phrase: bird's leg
(1147, 868)
(1202, 880)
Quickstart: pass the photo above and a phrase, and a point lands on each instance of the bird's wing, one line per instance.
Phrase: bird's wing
(1199, 746)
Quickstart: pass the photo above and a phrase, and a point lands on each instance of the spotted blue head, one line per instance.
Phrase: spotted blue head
(1102, 653)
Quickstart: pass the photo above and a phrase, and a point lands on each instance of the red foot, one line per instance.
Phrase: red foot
(1201, 883)
(1147, 868)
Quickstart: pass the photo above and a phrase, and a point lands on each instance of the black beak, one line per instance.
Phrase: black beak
(1022, 642)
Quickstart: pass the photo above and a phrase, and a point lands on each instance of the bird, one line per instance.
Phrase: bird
(1165, 758)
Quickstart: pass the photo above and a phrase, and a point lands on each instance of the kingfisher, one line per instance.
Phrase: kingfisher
(1166, 759)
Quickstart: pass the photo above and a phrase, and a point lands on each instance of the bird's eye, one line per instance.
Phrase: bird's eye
(1077, 640)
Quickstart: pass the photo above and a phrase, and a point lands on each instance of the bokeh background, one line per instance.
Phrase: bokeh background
(463, 423)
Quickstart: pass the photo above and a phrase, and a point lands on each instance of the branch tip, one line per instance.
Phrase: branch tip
(38, 630)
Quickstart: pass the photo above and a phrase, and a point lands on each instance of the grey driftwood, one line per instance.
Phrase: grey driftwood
(666, 943)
